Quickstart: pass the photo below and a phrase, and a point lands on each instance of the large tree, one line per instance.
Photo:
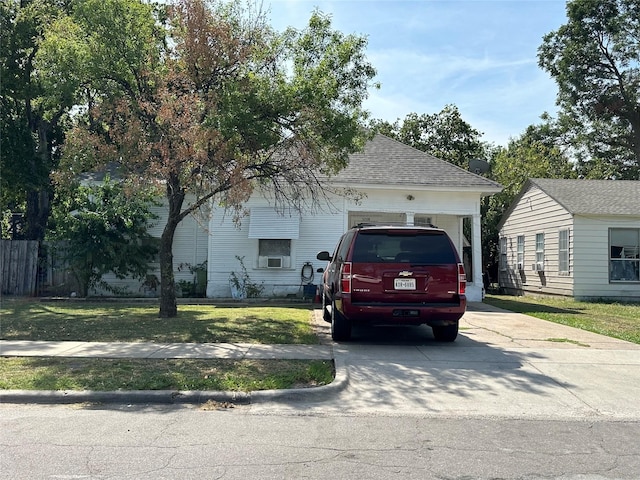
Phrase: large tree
(216, 107)
(445, 135)
(595, 60)
(32, 112)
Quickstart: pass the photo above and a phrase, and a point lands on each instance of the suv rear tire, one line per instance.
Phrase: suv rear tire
(326, 315)
(340, 325)
(445, 333)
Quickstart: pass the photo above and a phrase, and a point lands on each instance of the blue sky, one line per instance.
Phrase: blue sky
(480, 55)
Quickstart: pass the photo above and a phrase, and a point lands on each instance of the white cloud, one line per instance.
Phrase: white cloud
(479, 55)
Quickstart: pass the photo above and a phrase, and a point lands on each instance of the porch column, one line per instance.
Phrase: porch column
(410, 218)
(476, 245)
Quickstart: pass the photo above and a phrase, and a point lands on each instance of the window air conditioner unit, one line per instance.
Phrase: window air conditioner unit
(270, 262)
(274, 262)
(538, 267)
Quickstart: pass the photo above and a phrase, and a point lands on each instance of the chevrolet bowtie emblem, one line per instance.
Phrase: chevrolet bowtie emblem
(405, 273)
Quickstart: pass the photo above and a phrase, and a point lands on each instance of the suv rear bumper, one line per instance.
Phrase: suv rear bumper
(435, 314)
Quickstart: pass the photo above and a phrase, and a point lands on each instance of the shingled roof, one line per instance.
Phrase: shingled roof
(592, 197)
(388, 162)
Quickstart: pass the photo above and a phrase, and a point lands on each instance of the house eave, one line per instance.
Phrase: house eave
(482, 190)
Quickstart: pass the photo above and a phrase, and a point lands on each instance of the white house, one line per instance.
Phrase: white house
(398, 183)
(578, 238)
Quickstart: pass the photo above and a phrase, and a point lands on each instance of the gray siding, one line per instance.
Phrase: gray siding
(592, 254)
(536, 213)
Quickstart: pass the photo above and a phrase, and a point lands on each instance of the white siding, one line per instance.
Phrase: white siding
(317, 232)
(592, 259)
(536, 213)
(190, 246)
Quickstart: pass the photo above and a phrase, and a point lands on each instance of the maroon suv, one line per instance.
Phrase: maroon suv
(394, 275)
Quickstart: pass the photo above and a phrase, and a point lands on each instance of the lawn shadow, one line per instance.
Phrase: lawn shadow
(526, 307)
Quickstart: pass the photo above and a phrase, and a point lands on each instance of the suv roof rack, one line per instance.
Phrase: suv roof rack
(394, 224)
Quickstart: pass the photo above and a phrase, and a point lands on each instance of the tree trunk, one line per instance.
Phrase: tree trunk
(39, 197)
(168, 304)
(37, 214)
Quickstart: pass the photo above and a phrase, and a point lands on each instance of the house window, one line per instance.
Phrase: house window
(274, 253)
(563, 251)
(539, 252)
(624, 258)
(520, 257)
(503, 253)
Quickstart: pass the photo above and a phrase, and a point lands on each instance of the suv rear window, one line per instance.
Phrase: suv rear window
(426, 248)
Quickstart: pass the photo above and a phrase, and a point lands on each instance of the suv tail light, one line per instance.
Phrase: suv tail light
(462, 280)
(345, 277)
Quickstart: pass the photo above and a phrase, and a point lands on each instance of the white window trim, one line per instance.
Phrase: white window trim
(520, 242)
(566, 252)
(503, 253)
(539, 265)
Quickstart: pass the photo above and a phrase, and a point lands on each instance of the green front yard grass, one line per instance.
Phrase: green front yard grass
(122, 322)
(617, 320)
(105, 374)
(28, 319)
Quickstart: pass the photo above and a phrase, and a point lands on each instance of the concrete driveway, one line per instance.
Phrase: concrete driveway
(503, 364)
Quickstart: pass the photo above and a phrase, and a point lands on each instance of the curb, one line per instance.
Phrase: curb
(315, 394)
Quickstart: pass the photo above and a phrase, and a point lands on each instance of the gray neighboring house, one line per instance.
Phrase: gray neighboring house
(577, 238)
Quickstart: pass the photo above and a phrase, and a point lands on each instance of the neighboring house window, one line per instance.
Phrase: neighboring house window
(540, 252)
(563, 251)
(503, 253)
(520, 258)
(624, 257)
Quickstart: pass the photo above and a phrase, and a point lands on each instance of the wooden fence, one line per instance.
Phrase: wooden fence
(19, 266)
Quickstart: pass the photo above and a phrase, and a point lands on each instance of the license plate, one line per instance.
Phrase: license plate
(404, 283)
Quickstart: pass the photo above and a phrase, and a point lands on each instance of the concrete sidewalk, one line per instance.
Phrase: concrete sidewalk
(24, 348)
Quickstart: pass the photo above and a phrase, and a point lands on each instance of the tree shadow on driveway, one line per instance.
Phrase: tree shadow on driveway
(405, 368)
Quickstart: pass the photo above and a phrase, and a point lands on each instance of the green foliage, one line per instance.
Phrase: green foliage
(444, 135)
(595, 60)
(105, 374)
(102, 229)
(32, 113)
(120, 322)
(213, 103)
(242, 284)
